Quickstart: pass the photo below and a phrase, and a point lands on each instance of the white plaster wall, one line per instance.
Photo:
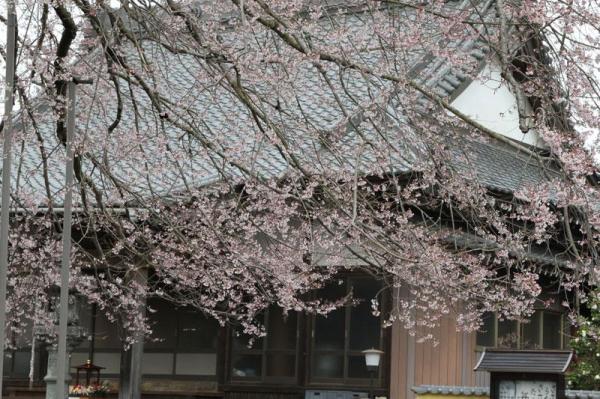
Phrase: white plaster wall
(196, 364)
(157, 363)
(489, 101)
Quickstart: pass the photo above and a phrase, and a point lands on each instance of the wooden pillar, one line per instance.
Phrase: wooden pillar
(94, 314)
(124, 373)
(466, 355)
(38, 364)
(397, 353)
(130, 378)
(411, 364)
(402, 356)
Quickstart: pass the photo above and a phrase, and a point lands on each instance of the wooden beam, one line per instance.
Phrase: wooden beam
(410, 363)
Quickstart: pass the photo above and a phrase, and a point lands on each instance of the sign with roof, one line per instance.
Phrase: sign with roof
(525, 374)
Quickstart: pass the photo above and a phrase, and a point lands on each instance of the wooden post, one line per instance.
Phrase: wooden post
(11, 28)
(130, 378)
(397, 379)
(466, 354)
(410, 366)
(124, 374)
(402, 356)
(93, 333)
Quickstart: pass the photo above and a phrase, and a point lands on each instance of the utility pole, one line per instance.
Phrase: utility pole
(63, 313)
(63, 310)
(11, 29)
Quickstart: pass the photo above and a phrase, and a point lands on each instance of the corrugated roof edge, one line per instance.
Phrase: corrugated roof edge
(485, 391)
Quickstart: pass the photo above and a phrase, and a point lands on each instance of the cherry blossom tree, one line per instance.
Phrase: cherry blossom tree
(245, 151)
(585, 373)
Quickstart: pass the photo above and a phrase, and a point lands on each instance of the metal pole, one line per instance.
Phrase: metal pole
(61, 356)
(6, 163)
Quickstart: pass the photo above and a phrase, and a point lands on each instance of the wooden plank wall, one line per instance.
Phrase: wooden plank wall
(402, 357)
(440, 364)
(400, 363)
(450, 362)
(472, 378)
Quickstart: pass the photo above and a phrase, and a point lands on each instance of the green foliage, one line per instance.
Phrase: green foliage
(585, 373)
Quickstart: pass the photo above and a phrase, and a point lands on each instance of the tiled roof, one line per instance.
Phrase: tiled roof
(218, 117)
(531, 361)
(485, 391)
(451, 390)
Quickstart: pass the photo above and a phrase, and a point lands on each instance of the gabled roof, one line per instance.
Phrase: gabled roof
(524, 361)
(321, 136)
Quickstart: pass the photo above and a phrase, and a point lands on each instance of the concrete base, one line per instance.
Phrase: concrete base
(50, 377)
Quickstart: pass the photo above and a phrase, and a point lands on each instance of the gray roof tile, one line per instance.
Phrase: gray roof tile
(219, 118)
(532, 361)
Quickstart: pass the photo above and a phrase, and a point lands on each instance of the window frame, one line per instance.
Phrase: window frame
(519, 331)
(175, 350)
(347, 352)
(263, 352)
(10, 360)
